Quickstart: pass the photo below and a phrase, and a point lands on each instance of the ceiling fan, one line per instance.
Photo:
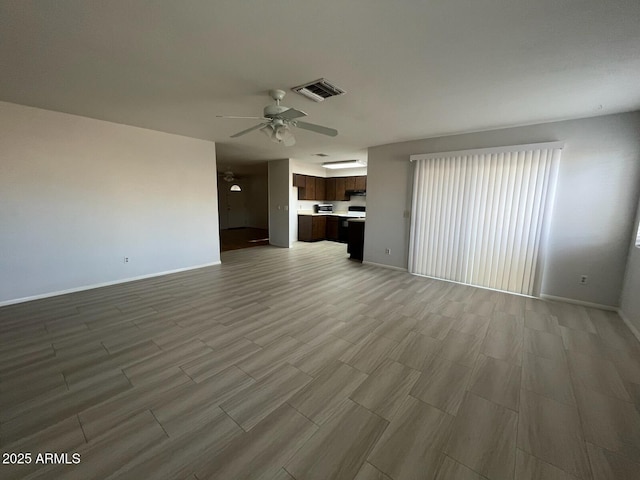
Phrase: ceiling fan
(228, 176)
(278, 121)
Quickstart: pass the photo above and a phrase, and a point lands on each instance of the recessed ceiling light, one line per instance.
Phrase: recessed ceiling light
(344, 164)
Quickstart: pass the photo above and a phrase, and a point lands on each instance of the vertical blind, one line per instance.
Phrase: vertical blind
(479, 216)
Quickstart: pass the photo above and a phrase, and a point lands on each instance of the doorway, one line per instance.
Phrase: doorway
(236, 206)
(243, 211)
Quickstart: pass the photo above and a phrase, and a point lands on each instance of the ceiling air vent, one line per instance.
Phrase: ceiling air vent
(318, 90)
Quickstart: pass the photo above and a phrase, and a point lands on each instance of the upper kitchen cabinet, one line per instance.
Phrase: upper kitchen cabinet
(330, 185)
(350, 183)
(321, 193)
(329, 189)
(309, 192)
(299, 181)
(341, 189)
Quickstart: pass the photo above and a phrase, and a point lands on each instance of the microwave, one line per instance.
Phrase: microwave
(323, 208)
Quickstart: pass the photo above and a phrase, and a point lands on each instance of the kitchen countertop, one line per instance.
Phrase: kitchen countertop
(333, 214)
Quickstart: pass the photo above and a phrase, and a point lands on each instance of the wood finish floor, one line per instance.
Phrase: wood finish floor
(300, 364)
(245, 237)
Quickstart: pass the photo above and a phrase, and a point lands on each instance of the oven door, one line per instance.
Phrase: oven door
(343, 230)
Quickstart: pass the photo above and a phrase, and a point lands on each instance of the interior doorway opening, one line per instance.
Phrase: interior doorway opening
(243, 207)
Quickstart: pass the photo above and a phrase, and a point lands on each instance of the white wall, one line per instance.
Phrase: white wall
(317, 170)
(630, 298)
(77, 195)
(344, 172)
(280, 179)
(304, 168)
(596, 199)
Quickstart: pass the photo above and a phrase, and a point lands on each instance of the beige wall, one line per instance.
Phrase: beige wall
(78, 195)
(258, 201)
(280, 179)
(596, 199)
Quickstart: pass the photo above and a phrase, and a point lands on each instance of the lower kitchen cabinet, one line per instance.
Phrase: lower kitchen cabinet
(332, 228)
(312, 228)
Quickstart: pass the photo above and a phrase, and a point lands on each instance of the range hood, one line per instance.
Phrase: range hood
(354, 193)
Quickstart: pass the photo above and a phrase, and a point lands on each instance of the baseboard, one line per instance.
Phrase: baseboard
(474, 286)
(610, 308)
(628, 323)
(103, 284)
(365, 262)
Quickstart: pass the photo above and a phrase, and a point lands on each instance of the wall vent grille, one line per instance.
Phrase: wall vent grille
(318, 90)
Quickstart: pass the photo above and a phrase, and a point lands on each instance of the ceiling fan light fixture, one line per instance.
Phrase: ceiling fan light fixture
(344, 164)
(228, 176)
(283, 135)
(279, 133)
(268, 131)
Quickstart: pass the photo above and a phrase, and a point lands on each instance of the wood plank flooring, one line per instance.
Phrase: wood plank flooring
(299, 364)
(244, 237)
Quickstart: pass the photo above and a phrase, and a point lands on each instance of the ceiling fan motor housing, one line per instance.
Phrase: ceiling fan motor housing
(271, 111)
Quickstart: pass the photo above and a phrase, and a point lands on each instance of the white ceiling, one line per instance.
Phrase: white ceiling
(411, 69)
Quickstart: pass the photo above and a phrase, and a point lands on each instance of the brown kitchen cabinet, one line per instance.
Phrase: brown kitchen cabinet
(330, 189)
(320, 189)
(299, 180)
(340, 189)
(312, 228)
(332, 228)
(310, 190)
(319, 228)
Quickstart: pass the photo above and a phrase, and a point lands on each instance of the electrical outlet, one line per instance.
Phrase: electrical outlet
(126, 259)
(583, 279)
(387, 251)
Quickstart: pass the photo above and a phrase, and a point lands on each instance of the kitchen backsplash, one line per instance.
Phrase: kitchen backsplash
(337, 206)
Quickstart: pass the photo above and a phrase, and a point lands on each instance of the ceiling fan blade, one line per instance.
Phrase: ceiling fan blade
(332, 132)
(255, 127)
(291, 114)
(232, 116)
